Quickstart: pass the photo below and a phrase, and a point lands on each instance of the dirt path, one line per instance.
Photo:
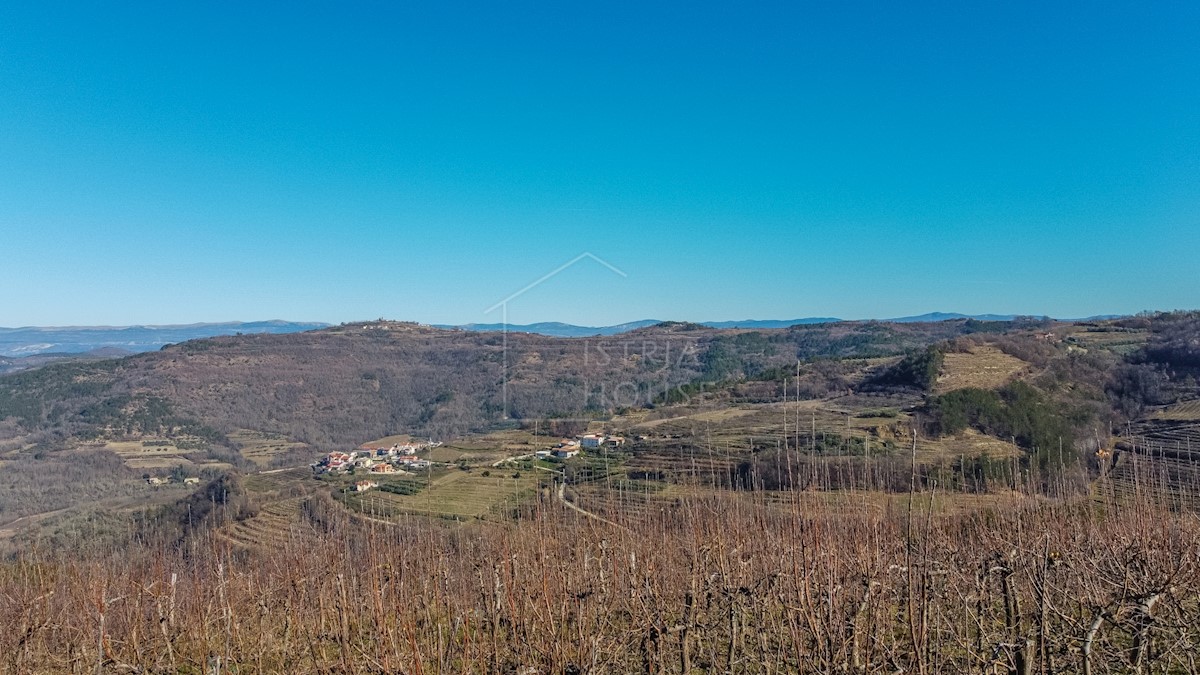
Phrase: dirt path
(11, 528)
(562, 497)
(267, 473)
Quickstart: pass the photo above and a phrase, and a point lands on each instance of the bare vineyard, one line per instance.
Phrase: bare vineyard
(735, 582)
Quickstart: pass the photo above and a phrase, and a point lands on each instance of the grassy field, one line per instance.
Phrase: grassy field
(149, 453)
(685, 451)
(158, 455)
(969, 443)
(455, 494)
(983, 367)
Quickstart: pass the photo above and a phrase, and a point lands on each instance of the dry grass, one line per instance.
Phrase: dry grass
(983, 367)
(735, 427)
(265, 449)
(969, 443)
(1117, 340)
(732, 433)
(719, 415)
(148, 453)
(156, 454)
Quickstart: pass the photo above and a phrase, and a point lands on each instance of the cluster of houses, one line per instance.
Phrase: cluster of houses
(569, 447)
(398, 459)
(158, 480)
(401, 458)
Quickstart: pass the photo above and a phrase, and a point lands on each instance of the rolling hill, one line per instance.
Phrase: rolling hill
(350, 383)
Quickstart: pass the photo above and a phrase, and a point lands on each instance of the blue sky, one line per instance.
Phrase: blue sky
(172, 162)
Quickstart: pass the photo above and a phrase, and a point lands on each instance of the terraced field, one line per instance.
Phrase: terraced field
(1120, 341)
(1188, 411)
(491, 447)
(705, 445)
(969, 443)
(278, 481)
(1169, 435)
(276, 525)
(677, 460)
(629, 503)
(632, 506)
(983, 367)
(149, 453)
(1173, 480)
(738, 428)
(269, 450)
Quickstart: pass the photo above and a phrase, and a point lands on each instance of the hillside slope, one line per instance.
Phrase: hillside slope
(360, 381)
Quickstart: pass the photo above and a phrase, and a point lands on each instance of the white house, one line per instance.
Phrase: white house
(591, 440)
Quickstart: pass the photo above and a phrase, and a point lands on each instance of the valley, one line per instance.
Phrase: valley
(365, 480)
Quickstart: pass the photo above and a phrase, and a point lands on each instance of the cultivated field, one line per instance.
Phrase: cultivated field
(150, 453)
(1122, 341)
(455, 495)
(270, 451)
(725, 435)
(1188, 411)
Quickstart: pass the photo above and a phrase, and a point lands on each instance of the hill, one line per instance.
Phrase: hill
(894, 459)
(351, 383)
(978, 404)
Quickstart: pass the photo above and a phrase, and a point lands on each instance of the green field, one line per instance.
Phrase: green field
(456, 494)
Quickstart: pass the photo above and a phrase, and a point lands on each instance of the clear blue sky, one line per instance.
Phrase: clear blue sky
(178, 162)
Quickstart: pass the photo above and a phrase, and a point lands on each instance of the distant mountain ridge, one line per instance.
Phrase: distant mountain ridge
(73, 340)
(554, 328)
(558, 329)
(950, 316)
(38, 340)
